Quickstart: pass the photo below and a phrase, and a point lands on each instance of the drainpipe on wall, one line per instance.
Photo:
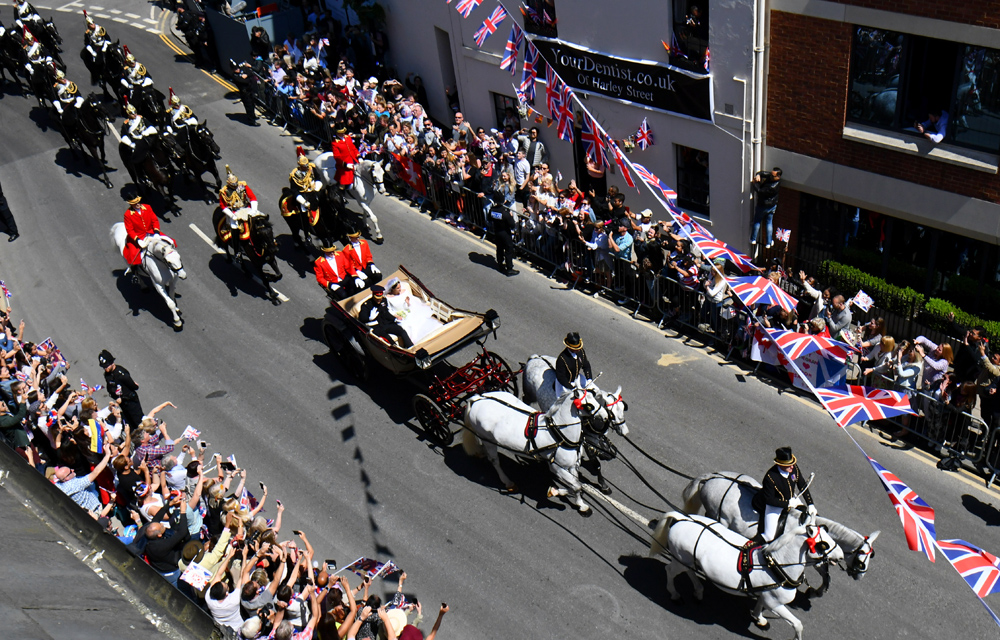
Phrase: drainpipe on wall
(759, 71)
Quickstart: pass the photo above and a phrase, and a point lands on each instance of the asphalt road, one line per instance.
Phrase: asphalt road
(349, 462)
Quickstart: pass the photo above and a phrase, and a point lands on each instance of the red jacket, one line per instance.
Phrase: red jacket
(351, 259)
(138, 224)
(325, 274)
(345, 153)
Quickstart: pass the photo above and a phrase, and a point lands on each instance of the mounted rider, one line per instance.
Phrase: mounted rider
(135, 128)
(135, 74)
(345, 152)
(67, 94)
(238, 203)
(95, 40)
(572, 366)
(36, 54)
(181, 117)
(305, 180)
(780, 484)
(27, 16)
(141, 224)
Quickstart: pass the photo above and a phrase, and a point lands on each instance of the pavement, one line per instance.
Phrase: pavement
(350, 462)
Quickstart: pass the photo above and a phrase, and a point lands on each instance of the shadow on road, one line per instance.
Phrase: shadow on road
(986, 511)
(79, 166)
(293, 256)
(139, 299)
(236, 279)
(483, 259)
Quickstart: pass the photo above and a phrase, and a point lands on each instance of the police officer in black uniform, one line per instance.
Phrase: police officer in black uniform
(782, 481)
(246, 82)
(375, 314)
(503, 235)
(122, 387)
(572, 363)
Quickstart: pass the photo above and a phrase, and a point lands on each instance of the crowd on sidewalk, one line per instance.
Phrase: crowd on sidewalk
(187, 513)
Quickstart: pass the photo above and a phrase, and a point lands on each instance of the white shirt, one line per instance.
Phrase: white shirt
(227, 610)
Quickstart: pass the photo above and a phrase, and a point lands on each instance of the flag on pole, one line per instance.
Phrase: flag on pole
(529, 73)
(553, 93)
(644, 137)
(490, 25)
(590, 134)
(410, 173)
(862, 301)
(916, 515)
(565, 129)
(855, 403)
(782, 235)
(466, 7)
(510, 51)
(190, 433)
(979, 568)
(6, 291)
(619, 159)
(753, 290)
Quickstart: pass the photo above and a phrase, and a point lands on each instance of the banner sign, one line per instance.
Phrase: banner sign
(646, 83)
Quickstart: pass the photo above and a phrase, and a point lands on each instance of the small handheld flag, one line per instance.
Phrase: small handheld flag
(782, 235)
(862, 301)
(644, 137)
(6, 291)
(190, 433)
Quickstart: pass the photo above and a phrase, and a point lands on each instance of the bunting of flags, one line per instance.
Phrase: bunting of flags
(466, 7)
(566, 114)
(795, 345)
(529, 72)
(647, 176)
(553, 94)
(917, 516)
(510, 51)
(753, 290)
(490, 26)
(713, 248)
(644, 137)
(979, 568)
(619, 158)
(856, 403)
(590, 134)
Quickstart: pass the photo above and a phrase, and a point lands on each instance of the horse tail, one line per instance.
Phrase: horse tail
(692, 493)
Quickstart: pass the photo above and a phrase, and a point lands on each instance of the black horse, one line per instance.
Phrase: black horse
(107, 68)
(11, 56)
(319, 221)
(85, 128)
(42, 81)
(148, 101)
(197, 152)
(261, 249)
(149, 167)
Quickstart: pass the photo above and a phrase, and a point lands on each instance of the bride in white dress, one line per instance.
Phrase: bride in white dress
(414, 315)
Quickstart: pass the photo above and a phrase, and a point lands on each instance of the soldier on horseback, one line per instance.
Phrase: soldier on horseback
(135, 75)
(235, 198)
(26, 16)
(96, 45)
(140, 224)
(181, 115)
(67, 97)
(305, 181)
(9, 55)
(135, 128)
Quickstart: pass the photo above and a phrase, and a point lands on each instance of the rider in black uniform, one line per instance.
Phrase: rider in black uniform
(780, 483)
(572, 363)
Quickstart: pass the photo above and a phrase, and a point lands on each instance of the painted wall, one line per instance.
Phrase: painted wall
(626, 28)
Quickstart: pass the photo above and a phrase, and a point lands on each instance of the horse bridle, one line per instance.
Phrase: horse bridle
(823, 547)
(159, 240)
(859, 565)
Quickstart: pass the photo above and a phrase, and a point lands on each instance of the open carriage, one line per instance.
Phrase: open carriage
(438, 330)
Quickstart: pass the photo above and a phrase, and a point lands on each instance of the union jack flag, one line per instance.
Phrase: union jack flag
(714, 248)
(84, 387)
(855, 403)
(489, 26)
(529, 73)
(591, 136)
(782, 235)
(616, 153)
(674, 48)
(708, 58)
(981, 569)
(795, 345)
(644, 137)
(753, 290)
(3, 287)
(529, 12)
(22, 377)
(565, 128)
(466, 7)
(247, 501)
(553, 92)
(917, 516)
(510, 51)
(862, 301)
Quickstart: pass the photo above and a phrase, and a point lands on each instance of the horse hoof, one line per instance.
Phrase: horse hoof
(379, 240)
(762, 627)
(275, 301)
(586, 513)
(178, 327)
(551, 493)
(509, 490)
(605, 489)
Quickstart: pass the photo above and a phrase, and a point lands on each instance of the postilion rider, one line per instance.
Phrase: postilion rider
(238, 203)
(140, 225)
(345, 152)
(572, 366)
(781, 483)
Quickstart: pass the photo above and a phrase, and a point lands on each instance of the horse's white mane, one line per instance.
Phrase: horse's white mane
(845, 536)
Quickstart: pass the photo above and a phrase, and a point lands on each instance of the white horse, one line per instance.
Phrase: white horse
(498, 420)
(727, 497)
(539, 384)
(368, 175)
(161, 263)
(697, 543)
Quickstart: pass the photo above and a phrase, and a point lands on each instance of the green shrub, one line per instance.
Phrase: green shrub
(935, 315)
(901, 300)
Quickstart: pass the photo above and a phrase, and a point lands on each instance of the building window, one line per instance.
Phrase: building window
(689, 42)
(898, 79)
(540, 17)
(505, 110)
(692, 180)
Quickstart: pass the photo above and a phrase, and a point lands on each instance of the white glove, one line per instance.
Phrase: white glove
(359, 283)
(811, 510)
(253, 205)
(334, 286)
(349, 166)
(375, 269)
(58, 106)
(142, 242)
(362, 275)
(91, 51)
(301, 200)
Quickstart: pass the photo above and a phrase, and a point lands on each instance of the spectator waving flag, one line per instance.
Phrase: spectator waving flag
(714, 248)
(782, 235)
(529, 73)
(917, 516)
(855, 403)
(247, 501)
(84, 387)
(795, 345)
(619, 159)
(753, 290)
(190, 433)
(6, 291)
(862, 301)
(981, 569)
(565, 129)
(644, 137)
(553, 92)
(510, 51)
(466, 7)
(591, 136)
(410, 173)
(490, 25)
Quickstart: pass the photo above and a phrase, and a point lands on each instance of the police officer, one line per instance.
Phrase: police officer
(503, 235)
(572, 366)
(782, 481)
(246, 82)
(376, 315)
(122, 388)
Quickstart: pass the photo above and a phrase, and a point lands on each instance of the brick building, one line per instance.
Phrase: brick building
(847, 81)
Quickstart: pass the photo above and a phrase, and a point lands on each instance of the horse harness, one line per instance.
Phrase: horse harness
(531, 431)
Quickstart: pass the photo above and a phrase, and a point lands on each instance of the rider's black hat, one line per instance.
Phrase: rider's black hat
(784, 456)
(573, 340)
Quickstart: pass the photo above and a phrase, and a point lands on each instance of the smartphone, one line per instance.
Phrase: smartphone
(226, 465)
(261, 486)
(331, 566)
(278, 502)
(296, 532)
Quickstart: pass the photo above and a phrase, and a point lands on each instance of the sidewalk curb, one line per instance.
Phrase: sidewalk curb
(184, 617)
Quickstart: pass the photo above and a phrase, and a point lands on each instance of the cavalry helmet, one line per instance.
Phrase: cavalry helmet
(231, 178)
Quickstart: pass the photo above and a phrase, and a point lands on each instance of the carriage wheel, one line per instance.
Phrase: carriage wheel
(511, 386)
(436, 425)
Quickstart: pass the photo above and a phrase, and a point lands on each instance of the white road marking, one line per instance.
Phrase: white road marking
(115, 133)
(149, 20)
(115, 11)
(96, 8)
(102, 16)
(152, 13)
(69, 5)
(201, 234)
(280, 295)
(153, 30)
(132, 15)
(138, 25)
(121, 20)
(42, 6)
(631, 513)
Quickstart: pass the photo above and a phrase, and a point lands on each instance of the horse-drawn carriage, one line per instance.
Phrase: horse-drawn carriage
(443, 330)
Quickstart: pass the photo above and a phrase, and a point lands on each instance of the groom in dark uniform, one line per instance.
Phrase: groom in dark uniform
(780, 484)
(572, 365)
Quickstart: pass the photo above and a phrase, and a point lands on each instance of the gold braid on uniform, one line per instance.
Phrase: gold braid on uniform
(303, 179)
(140, 70)
(236, 196)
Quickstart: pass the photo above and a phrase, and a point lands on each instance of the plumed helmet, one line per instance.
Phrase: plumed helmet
(60, 74)
(231, 178)
(130, 111)
(129, 59)
(174, 98)
(90, 21)
(302, 159)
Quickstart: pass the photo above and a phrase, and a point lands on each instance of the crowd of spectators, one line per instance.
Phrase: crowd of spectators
(175, 505)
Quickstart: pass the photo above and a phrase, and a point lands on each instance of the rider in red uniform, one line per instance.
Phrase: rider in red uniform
(346, 155)
(140, 222)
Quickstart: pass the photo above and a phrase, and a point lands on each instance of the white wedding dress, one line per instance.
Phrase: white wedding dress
(413, 314)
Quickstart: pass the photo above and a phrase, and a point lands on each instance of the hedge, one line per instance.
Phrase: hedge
(848, 280)
(935, 315)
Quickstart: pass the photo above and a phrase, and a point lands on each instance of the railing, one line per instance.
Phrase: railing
(946, 430)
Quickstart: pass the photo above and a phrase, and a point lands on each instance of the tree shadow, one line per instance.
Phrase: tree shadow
(985, 511)
(139, 299)
(237, 280)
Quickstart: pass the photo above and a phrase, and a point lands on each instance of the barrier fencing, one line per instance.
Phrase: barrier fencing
(946, 430)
